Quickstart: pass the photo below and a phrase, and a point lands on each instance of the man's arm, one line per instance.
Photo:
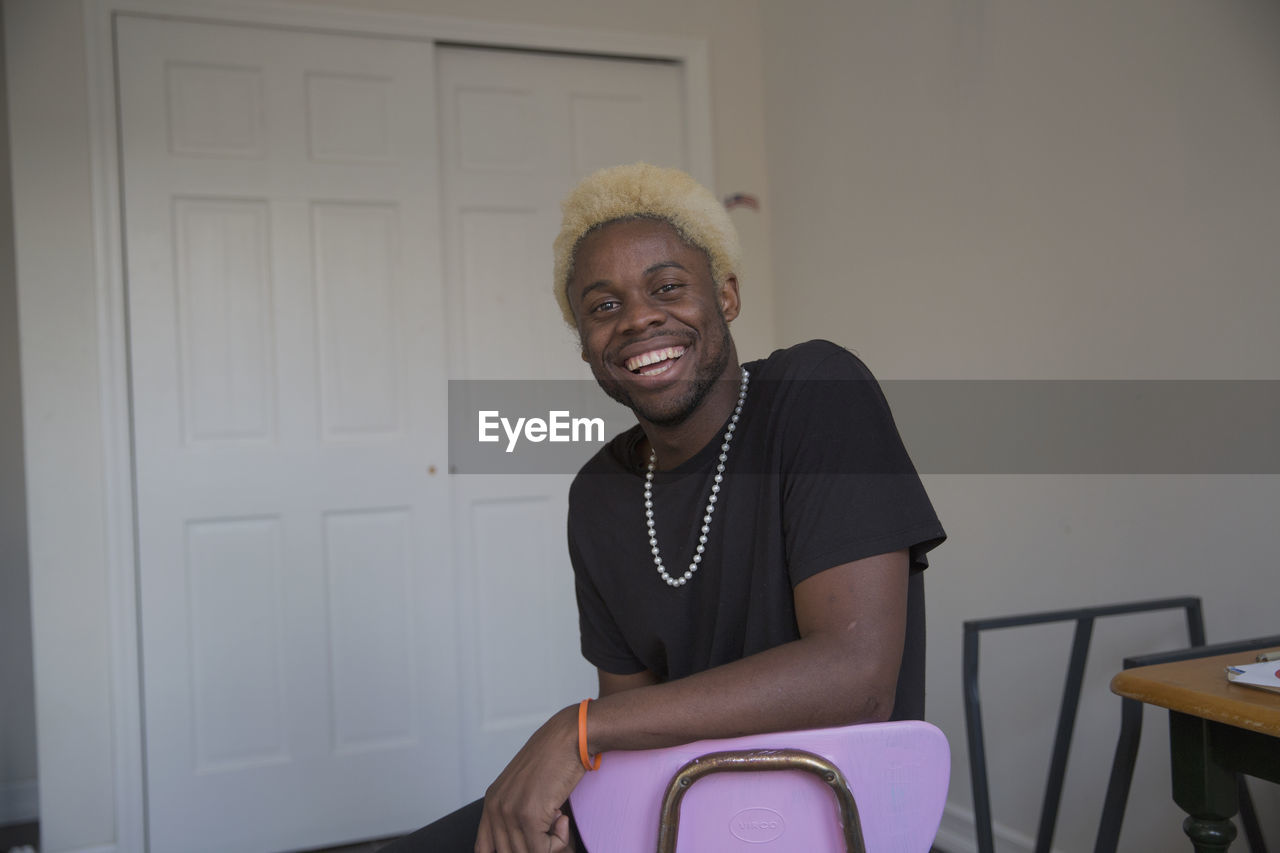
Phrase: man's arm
(842, 670)
(611, 683)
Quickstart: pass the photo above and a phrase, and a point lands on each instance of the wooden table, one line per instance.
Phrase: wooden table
(1216, 729)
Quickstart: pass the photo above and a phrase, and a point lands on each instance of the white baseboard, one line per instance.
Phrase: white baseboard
(19, 802)
(958, 834)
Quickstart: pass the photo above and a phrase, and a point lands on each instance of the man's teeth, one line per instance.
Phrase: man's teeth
(661, 368)
(636, 362)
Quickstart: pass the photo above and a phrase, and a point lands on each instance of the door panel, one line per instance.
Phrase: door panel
(288, 367)
(518, 130)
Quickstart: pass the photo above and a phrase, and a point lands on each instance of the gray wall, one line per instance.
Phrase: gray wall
(995, 189)
(17, 689)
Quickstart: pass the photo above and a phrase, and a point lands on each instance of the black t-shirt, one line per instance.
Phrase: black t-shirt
(816, 476)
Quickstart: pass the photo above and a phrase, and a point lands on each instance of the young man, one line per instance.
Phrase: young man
(748, 556)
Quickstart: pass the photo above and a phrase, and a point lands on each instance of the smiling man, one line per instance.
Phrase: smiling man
(748, 557)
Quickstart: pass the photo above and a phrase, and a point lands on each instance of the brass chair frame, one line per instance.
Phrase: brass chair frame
(757, 760)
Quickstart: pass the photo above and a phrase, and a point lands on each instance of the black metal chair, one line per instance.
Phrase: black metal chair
(1131, 723)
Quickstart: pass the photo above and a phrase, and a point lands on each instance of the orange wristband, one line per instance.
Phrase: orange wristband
(582, 737)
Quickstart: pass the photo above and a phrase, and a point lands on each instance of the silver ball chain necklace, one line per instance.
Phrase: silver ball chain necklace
(711, 500)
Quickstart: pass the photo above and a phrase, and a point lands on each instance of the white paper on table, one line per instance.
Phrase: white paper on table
(1265, 675)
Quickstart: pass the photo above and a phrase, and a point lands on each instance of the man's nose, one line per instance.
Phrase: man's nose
(642, 313)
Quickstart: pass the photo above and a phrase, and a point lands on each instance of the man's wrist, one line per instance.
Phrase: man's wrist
(599, 715)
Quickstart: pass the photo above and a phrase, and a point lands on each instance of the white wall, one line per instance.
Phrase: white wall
(1087, 190)
(69, 516)
(17, 689)
(62, 435)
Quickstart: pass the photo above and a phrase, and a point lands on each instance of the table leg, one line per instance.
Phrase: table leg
(1202, 787)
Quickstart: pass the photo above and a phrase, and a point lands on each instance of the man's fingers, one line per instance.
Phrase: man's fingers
(508, 842)
(561, 841)
(493, 836)
(531, 835)
(507, 829)
(508, 839)
(484, 837)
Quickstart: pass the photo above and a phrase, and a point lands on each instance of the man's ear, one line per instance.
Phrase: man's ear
(727, 294)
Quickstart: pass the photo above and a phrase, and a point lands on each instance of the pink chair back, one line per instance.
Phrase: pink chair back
(897, 773)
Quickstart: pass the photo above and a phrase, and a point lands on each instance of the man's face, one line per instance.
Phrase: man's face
(652, 322)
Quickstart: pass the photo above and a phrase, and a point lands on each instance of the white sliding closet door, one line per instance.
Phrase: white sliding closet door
(339, 640)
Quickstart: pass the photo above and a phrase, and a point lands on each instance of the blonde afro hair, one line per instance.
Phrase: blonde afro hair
(651, 192)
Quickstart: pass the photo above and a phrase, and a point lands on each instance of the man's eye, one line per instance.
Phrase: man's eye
(607, 305)
(670, 287)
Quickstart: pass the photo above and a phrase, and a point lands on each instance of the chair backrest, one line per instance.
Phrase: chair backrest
(1084, 617)
(897, 774)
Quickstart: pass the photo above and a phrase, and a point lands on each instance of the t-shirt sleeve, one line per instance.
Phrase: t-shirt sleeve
(603, 645)
(849, 488)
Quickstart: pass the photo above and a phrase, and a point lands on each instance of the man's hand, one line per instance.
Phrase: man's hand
(522, 807)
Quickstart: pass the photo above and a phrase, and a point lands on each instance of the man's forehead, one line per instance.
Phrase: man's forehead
(638, 236)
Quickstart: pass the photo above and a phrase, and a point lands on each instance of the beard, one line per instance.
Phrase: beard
(679, 403)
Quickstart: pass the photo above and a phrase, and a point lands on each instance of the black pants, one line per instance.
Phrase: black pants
(456, 833)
